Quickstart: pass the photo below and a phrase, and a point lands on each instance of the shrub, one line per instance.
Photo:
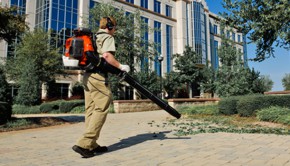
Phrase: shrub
(78, 90)
(5, 95)
(247, 106)
(67, 106)
(228, 106)
(272, 114)
(50, 107)
(285, 119)
(22, 109)
(78, 109)
(60, 106)
(205, 110)
(5, 112)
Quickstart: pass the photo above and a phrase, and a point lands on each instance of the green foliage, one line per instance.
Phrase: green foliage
(19, 123)
(187, 65)
(203, 110)
(60, 106)
(207, 83)
(67, 106)
(22, 109)
(247, 106)
(29, 91)
(4, 87)
(228, 106)
(50, 106)
(5, 112)
(36, 62)
(150, 80)
(284, 119)
(259, 84)
(273, 113)
(172, 83)
(12, 23)
(264, 21)
(232, 76)
(131, 45)
(286, 81)
(78, 110)
(78, 90)
(267, 83)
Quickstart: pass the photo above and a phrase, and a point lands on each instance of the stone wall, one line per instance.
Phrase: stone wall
(121, 106)
(192, 101)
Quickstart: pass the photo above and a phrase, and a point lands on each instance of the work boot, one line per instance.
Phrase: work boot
(100, 149)
(84, 152)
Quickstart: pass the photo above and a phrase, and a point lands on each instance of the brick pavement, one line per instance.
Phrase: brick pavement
(135, 139)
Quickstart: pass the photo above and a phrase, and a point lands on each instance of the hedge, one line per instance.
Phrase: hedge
(60, 106)
(5, 112)
(228, 106)
(247, 106)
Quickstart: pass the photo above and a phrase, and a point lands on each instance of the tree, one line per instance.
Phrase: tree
(207, 83)
(264, 21)
(172, 84)
(29, 91)
(267, 83)
(286, 81)
(36, 62)
(132, 47)
(188, 67)
(12, 24)
(4, 87)
(232, 76)
(150, 80)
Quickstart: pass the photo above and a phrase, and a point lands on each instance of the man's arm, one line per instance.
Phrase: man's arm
(109, 57)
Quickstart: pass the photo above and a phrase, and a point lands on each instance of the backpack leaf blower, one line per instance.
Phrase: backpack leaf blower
(81, 50)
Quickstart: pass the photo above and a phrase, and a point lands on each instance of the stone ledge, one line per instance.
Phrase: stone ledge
(192, 101)
(122, 106)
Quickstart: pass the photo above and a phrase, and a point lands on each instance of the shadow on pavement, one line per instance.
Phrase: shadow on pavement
(134, 140)
(72, 118)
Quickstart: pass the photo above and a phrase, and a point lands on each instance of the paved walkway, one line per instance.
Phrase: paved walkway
(140, 139)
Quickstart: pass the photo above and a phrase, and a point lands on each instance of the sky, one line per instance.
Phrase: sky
(275, 68)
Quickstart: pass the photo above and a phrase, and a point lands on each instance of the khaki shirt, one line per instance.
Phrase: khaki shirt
(105, 43)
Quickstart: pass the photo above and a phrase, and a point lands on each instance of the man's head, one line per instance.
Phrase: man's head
(108, 23)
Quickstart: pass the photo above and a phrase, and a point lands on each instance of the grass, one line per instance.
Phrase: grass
(206, 119)
(28, 123)
(195, 120)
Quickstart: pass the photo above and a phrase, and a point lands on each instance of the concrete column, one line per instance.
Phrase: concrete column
(180, 25)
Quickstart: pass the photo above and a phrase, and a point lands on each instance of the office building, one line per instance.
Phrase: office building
(182, 22)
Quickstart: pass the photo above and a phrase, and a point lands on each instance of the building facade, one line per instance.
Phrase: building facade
(182, 22)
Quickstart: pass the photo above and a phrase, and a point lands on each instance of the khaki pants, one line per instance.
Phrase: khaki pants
(98, 97)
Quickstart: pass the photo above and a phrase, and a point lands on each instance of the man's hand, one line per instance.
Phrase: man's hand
(125, 68)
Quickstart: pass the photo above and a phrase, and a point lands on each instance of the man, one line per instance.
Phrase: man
(98, 95)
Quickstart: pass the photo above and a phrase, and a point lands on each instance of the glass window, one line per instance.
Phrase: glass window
(69, 3)
(215, 59)
(54, 14)
(157, 5)
(239, 38)
(61, 15)
(157, 41)
(144, 3)
(62, 2)
(130, 1)
(233, 36)
(168, 11)
(228, 34)
(145, 37)
(168, 47)
(215, 29)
